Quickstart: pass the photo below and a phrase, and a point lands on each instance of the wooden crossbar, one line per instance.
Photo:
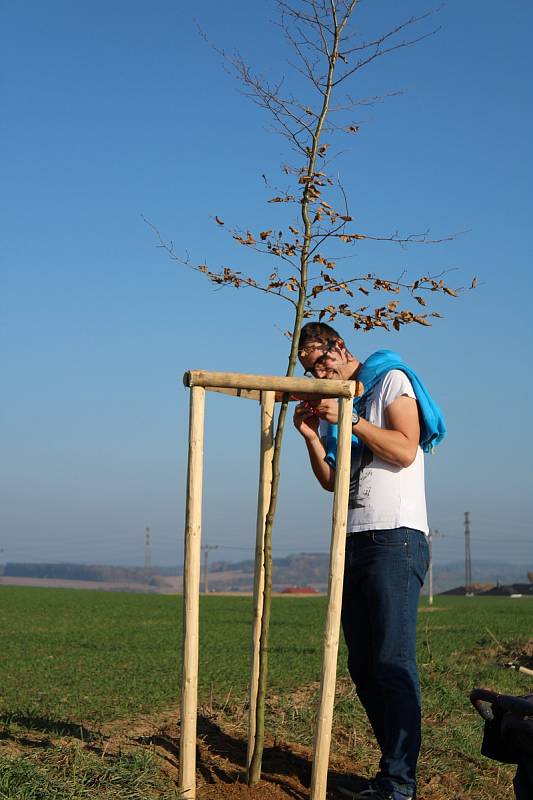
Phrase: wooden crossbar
(275, 383)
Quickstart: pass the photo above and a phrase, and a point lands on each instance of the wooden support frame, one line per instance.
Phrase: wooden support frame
(268, 388)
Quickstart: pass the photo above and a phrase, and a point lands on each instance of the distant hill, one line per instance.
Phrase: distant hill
(299, 569)
(81, 572)
(302, 569)
(312, 569)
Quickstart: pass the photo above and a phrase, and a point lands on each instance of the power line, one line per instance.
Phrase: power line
(492, 520)
(476, 538)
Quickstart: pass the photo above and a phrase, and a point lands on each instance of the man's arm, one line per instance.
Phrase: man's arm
(306, 422)
(398, 442)
(324, 474)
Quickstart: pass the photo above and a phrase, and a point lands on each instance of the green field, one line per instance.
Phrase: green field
(74, 660)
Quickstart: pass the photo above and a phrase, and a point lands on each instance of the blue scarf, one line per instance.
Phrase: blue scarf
(433, 427)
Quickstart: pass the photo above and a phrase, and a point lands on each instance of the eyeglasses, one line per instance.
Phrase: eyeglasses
(320, 363)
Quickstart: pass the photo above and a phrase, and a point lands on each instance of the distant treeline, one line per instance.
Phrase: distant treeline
(81, 572)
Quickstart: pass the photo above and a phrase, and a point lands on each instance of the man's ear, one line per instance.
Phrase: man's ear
(341, 344)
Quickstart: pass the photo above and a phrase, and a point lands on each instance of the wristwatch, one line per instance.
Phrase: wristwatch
(355, 418)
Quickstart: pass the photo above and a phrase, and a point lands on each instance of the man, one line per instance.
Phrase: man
(387, 551)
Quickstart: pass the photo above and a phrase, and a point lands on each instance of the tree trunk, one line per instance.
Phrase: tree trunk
(254, 771)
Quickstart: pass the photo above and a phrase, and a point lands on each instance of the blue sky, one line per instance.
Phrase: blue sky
(117, 110)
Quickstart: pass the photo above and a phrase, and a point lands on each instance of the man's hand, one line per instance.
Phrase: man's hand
(328, 409)
(306, 420)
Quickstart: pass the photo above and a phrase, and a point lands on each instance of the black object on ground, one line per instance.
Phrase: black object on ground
(508, 734)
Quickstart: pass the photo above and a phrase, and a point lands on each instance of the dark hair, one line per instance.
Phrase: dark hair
(317, 332)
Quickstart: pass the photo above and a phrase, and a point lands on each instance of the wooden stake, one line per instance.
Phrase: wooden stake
(333, 614)
(191, 596)
(263, 500)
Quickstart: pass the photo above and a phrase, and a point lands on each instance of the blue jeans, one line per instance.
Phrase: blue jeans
(384, 572)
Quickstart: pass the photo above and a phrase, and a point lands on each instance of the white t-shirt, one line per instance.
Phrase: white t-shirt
(383, 495)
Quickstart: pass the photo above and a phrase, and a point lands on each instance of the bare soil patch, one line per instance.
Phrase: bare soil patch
(222, 744)
(221, 759)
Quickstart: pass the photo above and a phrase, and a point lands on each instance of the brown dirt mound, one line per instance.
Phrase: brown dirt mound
(221, 753)
(221, 757)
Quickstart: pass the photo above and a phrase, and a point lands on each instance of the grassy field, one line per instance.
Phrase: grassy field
(72, 662)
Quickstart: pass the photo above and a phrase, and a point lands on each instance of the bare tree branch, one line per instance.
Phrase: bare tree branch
(217, 278)
(379, 50)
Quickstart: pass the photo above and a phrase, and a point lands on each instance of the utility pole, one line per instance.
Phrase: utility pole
(206, 548)
(147, 553)
(468, 561)
(431, 534)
